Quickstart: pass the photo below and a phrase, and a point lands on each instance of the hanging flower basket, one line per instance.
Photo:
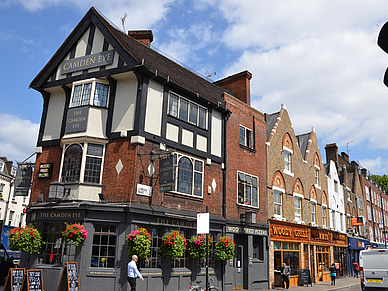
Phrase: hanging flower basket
(27, 239)
(197, 246)
(139, 243)
(224, 249)
(173, 245)
(75, 232)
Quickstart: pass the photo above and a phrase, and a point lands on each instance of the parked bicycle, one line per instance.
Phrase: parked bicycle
(198, 287)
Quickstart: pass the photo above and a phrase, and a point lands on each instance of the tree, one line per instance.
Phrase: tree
(381, 181)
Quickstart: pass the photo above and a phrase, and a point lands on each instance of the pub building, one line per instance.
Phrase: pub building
(128, 139)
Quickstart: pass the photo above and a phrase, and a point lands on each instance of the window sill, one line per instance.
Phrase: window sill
(182, 195)
(247, 205)
(288, 173)
(252, 150)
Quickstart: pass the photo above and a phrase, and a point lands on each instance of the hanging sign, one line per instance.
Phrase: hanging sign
(23, 180)
(166, 174)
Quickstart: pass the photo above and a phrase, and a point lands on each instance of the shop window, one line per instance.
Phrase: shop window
(188, 175)
(186, 110)
(247, 189)
(90, 92)
(298, 208)
(56, 251)
(258, 248)
(75, 156)
(313, 208)
(324, 215)
(323, 258)
(288, 253)
(278, 204)
(104, 246)
(246, 137)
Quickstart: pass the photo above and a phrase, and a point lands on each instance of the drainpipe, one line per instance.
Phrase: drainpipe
(226, 117)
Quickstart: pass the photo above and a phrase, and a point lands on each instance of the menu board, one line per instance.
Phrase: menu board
(14, 280)
(69, 279)
(34, 280)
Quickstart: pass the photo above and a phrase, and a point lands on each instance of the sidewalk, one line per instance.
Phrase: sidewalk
(340, 283)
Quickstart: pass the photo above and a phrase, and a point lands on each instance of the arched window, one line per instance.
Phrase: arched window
(185, 176)
(72, 164)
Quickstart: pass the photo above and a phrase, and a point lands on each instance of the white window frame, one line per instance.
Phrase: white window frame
(333, 219)
(177, 158)
(91, 102)
(324, 211)
(2, 165)
(246, 184)
(10, 217)
(316, 175)
(369, 213)
(313, 210)
(84, 147)
(277, 204)
(360, 206)
(367, 193)
(341, 222)
(247, 139)
(287, 158)
(335, 186)
(298, 206)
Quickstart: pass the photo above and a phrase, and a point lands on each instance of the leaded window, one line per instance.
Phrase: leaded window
(104, 246)
(188, 175)
(90, 92)
(72, 164)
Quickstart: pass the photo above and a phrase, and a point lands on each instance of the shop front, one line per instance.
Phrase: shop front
(340, 253)
(355, 246)
(320, 243)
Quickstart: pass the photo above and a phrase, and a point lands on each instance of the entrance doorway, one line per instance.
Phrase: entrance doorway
(240, 265)
(322, 262)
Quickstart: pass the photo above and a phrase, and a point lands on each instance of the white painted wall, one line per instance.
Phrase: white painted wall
(172, 132)
(154, 108)
(52, 128)
(216, 133)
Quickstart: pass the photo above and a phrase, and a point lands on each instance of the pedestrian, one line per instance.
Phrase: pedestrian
(133, 273)
(355, 269)
(286, 270)
(333, 273)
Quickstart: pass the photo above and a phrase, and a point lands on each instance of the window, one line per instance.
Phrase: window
(341, 222)
(348, 221)
(348, 194)
(333, 219)
(298, 208)
(2, 164)
(188, 175)
(258, 248)
(21, 220)
(245, 137)
(247, 190)
(323, 215)
(316, 175)
(10, 217)
(1, 189)
(186, 110)
(56, 251)
(313, 206)
(13, 171)
(104, 246)
(84, 90)
(335, 186)
(73, 160)
(360, 203)
(288, 253)
(367, 193)
(278, 203)
(287, 161)
(369, 213)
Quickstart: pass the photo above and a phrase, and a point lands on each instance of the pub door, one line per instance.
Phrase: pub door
(239, 266)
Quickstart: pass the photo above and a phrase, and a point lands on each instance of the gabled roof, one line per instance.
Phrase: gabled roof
(135, 55)
(270, 120)
(303, 141)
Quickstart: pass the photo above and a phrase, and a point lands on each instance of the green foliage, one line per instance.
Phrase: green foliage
(75, 232)
(381, 181)
(139, 243)
(197, 246)
(173, 245)
(27, 239)
(224, 249)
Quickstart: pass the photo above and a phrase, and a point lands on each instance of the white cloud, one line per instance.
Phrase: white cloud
(17, 137)
(376, 166)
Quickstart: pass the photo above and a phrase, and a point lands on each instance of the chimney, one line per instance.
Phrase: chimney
(143, 36)
(364, 172)
(345, 156)
(239, 85)
(331, 153)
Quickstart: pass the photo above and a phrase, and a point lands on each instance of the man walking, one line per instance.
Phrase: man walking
(286, 270)
(133, 273)
(355, 269)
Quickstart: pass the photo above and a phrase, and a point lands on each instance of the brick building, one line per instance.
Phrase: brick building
(297, 203)
(115, 111)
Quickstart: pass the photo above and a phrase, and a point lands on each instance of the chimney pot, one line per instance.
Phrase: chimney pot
(143, 36)
(239, 85)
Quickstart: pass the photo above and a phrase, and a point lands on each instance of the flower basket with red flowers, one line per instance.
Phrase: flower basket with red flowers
(173, 244)
(139, 243)
(224, 249)
(27, 239)
(75, 232)
(197, 246)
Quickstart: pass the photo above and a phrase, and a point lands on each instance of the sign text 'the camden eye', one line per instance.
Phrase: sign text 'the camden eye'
(87, 62)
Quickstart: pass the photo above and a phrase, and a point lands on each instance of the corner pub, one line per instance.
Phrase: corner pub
(105, 128)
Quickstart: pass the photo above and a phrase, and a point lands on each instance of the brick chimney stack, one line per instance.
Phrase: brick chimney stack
(143, 36)
(239, 85)
(332, 153)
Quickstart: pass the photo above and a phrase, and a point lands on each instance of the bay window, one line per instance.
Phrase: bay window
(90, 92)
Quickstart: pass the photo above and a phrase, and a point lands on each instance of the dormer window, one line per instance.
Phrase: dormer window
(90, 92)
(2, 166)
(186, 110)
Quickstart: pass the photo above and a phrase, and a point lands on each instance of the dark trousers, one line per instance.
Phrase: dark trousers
(333, 280)
(132, 282)
(285, 281)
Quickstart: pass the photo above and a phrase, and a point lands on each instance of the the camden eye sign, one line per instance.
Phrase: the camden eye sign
(77, 119)
(87, 62)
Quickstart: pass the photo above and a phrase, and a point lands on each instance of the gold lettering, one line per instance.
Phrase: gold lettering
(66, 66)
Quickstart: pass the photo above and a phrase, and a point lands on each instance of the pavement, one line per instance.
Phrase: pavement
(340, 283)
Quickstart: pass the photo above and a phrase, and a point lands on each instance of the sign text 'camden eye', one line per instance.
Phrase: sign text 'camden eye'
(87, 62)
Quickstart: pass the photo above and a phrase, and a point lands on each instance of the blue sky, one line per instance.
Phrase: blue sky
(318, 57)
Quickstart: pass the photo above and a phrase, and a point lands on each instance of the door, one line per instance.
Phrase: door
(239, 268)
(320, 265)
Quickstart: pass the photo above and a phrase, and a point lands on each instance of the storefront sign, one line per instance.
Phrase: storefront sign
(144, 190)
(45, 171)
(320, 235)
(289, 232)
(77, 119)
(54, 215)
(175, 222)
(357, 221)
(247, 230)
(166, 174)
(87, 62)
(339, 239)
(203, 222)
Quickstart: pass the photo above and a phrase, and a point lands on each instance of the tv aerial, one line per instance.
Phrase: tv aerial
(123, 21)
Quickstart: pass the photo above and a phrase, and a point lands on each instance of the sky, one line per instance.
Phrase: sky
(320, 58)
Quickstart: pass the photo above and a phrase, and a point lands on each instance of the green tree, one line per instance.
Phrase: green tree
(381, 181)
